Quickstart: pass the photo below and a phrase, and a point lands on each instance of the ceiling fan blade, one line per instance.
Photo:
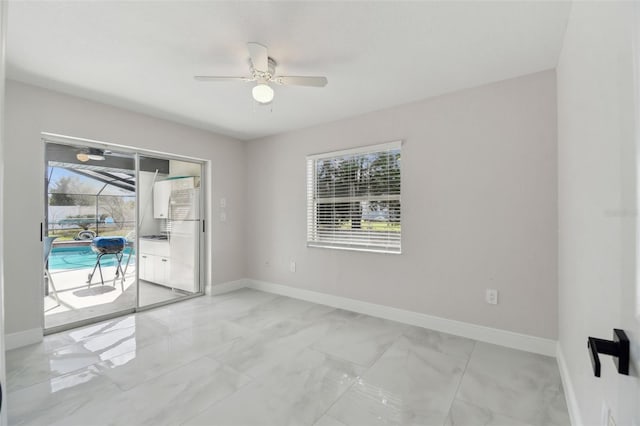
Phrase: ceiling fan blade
(259, 56)
(301, 81)
(220, 78)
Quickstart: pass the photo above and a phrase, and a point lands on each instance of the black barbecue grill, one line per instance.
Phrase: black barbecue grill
(104, 246)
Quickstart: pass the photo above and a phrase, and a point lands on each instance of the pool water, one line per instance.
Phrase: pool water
(81, 257)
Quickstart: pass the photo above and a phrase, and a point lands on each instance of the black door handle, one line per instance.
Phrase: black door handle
(618, 348)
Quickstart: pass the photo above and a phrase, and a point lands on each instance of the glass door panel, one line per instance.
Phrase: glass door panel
(170, 229)
(89, 234)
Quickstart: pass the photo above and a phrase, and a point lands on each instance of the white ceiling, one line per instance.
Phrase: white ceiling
(142, 55)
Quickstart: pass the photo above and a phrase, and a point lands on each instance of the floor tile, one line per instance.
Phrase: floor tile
(271, 312)
(253, 358)
(145, 329)
(464, 414)
(207, 337)
(168, 399)
(411, 384)
(39, 367)
(168, 353)
(516, 384)
(261, 351)
(48, 345)
(444, 343)
(195, 313)
(91, 345)
(295, 393)
(246, 296)
(362, 340)
(55, 399)
(317, 311)
(328, 421)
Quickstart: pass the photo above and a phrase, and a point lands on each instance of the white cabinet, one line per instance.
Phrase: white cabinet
(162, 268)
(162, 193)
(161, 197)
(145, 269)
(155, 263)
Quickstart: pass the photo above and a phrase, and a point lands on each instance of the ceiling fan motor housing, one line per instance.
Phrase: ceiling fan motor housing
(264, 76)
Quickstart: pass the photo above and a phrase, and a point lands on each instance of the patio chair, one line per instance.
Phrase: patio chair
(84, 235)
(48, 245)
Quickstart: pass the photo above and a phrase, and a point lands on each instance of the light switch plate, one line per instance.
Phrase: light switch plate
(491, 296)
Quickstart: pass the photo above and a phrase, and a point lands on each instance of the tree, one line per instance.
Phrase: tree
(118, 208)
(385, 180)
(70, 191)
(350, 177)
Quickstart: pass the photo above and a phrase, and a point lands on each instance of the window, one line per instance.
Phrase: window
(353, 199)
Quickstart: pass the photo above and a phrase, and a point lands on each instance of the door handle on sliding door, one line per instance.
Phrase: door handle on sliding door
(618, 348)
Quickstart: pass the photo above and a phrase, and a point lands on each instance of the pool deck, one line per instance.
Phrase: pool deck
(79, 301)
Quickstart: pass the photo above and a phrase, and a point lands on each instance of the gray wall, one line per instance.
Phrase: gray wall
(31, 110)
(479, 201)
(479, 208)
(598, 206)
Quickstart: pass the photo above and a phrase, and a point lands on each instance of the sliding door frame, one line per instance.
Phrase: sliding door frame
(137, 153)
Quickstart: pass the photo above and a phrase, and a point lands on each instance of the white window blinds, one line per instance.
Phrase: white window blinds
(353, 199)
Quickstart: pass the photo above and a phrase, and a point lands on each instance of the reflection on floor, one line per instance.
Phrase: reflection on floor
(253, 358)
(78, 301)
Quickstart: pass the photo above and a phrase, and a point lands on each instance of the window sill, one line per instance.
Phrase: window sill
(354, 248)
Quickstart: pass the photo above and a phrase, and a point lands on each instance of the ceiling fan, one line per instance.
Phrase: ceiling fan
(262, 69)
(96, 154)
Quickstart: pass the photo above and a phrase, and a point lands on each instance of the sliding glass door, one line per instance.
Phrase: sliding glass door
(122, 231)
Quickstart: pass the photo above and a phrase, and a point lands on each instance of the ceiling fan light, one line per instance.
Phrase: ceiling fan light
(87, 154)
(262, 93)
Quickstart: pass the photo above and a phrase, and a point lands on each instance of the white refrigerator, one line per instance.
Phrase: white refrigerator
(184, 228)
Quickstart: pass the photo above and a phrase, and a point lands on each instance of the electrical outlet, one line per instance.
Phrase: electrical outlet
(223, 216)
(491, 296)
(223, 202)
(292, 265)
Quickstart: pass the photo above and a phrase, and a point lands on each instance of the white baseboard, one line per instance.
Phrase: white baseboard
(226, 287)
(496, 336)
(569, 390)
(22, 338)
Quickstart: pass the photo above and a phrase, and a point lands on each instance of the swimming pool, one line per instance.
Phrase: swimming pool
(81, 257)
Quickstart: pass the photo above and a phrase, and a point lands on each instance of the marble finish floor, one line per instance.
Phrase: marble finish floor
(253, 358)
